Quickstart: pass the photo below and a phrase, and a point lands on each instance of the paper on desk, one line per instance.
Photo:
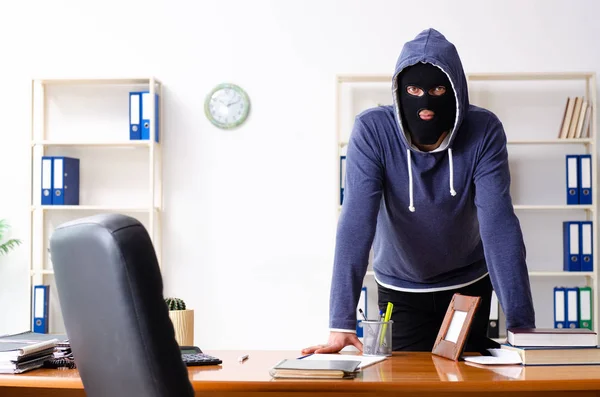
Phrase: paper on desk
(498, 356)
(365, 361)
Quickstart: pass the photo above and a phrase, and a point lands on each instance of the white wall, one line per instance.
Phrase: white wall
(250, 214)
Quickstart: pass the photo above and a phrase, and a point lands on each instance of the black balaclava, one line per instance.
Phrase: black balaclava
(427, 77)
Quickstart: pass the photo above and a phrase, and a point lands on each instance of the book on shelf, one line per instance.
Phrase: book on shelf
(553, 337)
(576, 119)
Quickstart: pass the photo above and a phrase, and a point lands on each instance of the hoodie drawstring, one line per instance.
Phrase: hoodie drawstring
(452, 191)
(411, 206)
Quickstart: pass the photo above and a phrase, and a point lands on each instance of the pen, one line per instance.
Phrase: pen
(363, 314)
(241, 359)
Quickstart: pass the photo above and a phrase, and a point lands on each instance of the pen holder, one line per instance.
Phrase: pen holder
(377, 338)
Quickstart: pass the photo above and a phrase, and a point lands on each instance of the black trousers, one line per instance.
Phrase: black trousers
(418, 316)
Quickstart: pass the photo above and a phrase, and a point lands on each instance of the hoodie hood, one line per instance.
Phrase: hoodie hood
(430, 46)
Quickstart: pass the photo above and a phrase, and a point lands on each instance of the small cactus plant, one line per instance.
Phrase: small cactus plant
(175, 303)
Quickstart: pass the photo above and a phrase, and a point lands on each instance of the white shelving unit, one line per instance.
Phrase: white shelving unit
(381, 86)
(103, 136)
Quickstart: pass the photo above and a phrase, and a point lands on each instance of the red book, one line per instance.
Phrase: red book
(552, 337)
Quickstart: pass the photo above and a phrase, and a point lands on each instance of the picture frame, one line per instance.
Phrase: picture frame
(455, 328)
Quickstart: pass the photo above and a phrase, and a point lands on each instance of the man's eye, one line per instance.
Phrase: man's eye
(415, 91)
(437, 91)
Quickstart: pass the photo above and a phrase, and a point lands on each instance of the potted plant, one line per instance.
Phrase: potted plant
(183, 321)
(9, 245)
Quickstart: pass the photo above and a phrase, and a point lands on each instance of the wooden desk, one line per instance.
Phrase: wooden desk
(404, 374)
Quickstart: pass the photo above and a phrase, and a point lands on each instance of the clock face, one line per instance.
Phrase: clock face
(227, 106)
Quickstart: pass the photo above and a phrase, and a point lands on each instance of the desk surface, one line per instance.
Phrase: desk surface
(403, 373)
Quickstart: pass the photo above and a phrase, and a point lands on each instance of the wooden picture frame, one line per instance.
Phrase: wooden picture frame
(455, 328)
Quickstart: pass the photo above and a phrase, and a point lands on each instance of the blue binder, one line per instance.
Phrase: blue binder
(47, 177)
(342, 178)
(146, 113)
(585, 179)
(135, 115)
(65, 181)
(572, 179)
(560, 308)
(362, 304)
(586, 246)
(571, 246)
(572, 310)
(40, 308)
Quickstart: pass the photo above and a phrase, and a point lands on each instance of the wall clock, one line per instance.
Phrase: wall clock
(227, 106)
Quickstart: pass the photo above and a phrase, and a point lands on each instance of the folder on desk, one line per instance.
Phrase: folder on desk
(571, 246)
(560, 306)
(65, 181)
(586, 246)
(146, 113)
(40, 309)
(585, 307)
(572, 311)
(362, 304)
(572, 179)
(46, 180)
(585, 179)
(493, 330)
(135, 115)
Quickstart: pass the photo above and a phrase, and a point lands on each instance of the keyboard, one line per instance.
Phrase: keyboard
(200, 359)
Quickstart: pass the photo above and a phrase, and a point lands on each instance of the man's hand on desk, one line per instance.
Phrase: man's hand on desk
(337, 341)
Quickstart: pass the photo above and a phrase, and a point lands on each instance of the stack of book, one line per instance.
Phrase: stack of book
(576, 119)
(25, 351)
(553, 346)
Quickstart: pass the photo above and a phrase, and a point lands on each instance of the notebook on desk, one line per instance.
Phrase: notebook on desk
(365, 361)
(16, 351)
(322, 369)
(25, 351)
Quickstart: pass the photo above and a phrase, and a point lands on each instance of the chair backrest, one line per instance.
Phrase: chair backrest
(111, 296)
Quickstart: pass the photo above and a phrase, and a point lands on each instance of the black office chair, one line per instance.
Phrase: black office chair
(111, 296)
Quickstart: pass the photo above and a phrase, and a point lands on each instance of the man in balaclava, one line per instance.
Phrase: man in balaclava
(428, 190)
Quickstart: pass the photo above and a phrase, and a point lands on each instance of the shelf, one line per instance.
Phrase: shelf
(530, 76)
(44, 271)
(561, 274)
(91, 208)
(107, 81)
(586, 141)
(371, 273)
(365, 78)
(386, 78)
(554, 207)
(124, 144)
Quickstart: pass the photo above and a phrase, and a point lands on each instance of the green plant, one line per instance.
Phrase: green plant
(9, 245)
(175, 303)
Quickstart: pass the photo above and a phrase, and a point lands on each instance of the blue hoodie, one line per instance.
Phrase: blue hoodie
(435, 220)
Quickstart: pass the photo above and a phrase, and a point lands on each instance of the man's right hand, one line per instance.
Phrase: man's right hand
(337, 341)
